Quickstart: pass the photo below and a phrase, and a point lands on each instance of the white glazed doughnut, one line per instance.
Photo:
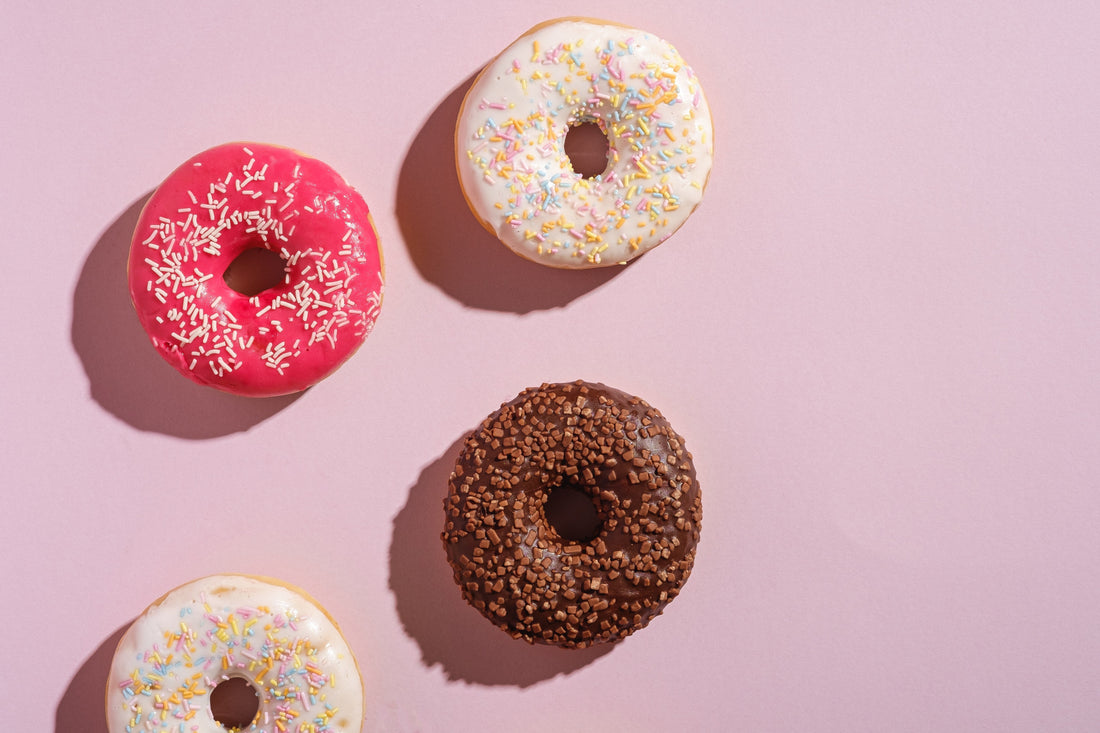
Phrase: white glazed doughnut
(510, 143)
(201, 634)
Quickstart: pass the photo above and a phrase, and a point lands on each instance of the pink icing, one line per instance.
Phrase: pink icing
(214, 207)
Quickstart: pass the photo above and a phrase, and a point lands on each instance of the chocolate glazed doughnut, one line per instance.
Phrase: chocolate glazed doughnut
(516, 568)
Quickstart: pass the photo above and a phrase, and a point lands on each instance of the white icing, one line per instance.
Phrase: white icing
(510, 143)
(226, 626)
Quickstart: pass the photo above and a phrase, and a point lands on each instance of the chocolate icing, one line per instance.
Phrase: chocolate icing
(517, 570)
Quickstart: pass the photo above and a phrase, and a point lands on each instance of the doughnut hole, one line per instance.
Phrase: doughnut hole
(588, 149)
(255, 270)
(573, 514)
(234, 703)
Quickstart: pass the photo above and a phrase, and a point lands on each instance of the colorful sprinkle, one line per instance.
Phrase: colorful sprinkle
(169, 678)
(514, 168)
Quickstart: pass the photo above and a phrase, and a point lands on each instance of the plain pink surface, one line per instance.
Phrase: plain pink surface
(880, 336)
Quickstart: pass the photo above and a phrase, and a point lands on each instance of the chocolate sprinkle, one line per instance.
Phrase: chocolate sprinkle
(515, 568)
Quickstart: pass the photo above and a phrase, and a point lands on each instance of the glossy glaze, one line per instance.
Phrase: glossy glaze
(511, 131)
(202, 633)
(248, 195)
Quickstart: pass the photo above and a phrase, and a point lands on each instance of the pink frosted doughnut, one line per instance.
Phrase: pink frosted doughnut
(243, 196)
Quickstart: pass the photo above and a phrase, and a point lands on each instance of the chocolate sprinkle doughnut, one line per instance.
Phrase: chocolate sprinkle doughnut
(518, 570)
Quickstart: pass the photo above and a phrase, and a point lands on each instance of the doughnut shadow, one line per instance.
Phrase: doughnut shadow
(80, 709)
(125, 374)
(448, 630)
(452, 250)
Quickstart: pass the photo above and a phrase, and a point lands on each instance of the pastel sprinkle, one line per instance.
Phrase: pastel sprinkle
(630, 83)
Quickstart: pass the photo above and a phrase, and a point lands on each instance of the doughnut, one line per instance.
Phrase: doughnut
(516, 568)
(510, 143)
(239, 197)
(191, 641)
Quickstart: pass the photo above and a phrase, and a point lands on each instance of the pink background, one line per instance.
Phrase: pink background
(880, 335)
